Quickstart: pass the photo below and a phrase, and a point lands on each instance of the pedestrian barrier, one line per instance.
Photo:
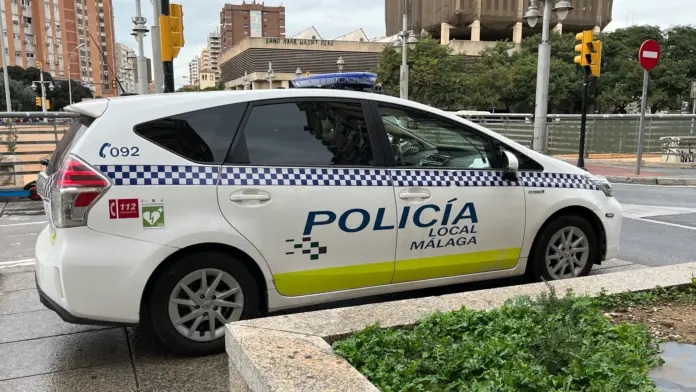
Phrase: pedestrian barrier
(25, 138)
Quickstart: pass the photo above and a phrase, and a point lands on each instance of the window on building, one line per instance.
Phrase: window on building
(305, 134)
(201, 136)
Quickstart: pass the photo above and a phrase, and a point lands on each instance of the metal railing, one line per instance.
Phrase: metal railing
(606, 133)
(25, 137)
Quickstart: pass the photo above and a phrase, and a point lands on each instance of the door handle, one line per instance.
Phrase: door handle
(414, 195)
(256, 197)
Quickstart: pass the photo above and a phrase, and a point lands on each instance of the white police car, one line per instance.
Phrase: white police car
(186, 211)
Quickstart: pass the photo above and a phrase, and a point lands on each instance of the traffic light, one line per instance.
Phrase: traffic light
(589, 52)
(48, 104)
(172, 32)
(38, 101)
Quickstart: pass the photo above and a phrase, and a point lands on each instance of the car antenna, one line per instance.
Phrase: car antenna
(107, 64)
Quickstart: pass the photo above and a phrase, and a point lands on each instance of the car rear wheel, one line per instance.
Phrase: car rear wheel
(566, 248)
(193, 300)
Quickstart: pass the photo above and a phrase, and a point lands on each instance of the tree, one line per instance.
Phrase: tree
(60, 96)
(22, 97)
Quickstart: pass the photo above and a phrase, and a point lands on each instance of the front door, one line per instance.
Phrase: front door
(456, 214)
(304, 186)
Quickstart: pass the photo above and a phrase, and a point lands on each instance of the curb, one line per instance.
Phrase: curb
(665, 181)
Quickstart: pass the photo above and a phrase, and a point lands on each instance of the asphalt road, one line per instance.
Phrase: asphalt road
(659, 225)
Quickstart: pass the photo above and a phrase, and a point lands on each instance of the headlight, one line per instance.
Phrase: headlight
(603, 184)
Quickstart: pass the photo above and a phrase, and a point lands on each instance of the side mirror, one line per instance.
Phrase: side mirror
(510, 166)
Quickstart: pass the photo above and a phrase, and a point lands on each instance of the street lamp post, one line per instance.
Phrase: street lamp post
(271, 75)
(247, 81)
(70, 71)
(340, 64)
(139, 30)
(532, 16)
(405, 40)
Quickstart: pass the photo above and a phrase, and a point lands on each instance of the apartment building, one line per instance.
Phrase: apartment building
(67, 37)
(125, 65)
(214, 49)
(194, 68)
(205, 59)
(250, 20)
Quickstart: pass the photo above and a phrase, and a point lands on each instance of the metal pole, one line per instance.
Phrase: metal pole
(641, 127)
(5, 63)
(69, 87)
(167, 66)
(158, 80)
(139, 30)
(583, 119)
(542, 89)
(404, 60)
(691, 132)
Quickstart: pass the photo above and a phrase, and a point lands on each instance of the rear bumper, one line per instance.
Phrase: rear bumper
(88, 277)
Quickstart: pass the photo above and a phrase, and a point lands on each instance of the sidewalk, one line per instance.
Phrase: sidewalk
(619, 171)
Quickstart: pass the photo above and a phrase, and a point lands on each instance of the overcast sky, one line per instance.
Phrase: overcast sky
(333, 18)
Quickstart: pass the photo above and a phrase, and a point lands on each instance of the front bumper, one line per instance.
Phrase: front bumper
(610, 213)
(88, 277)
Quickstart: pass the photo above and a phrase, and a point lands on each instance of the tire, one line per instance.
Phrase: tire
(574, 226)
(160, 311)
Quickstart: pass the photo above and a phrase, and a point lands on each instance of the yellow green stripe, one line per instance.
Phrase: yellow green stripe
(356, 276)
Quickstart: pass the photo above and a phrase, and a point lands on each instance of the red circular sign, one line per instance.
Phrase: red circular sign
(649, 54)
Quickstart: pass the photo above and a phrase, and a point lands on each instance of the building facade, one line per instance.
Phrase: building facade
(207, 78)
(255, 20)
(125, 65)
(194, 67)
(47, 33)
(214, 49)
(488, 20)
(205, 59)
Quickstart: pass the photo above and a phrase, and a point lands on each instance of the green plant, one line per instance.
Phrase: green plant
(12, 138)
(544, 344)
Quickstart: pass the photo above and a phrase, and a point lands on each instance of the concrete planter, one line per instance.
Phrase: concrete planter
(678, 149)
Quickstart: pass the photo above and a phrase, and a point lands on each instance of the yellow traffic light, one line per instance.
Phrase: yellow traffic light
(172, 32)
(38, 101)
(596, 55)
(48, 104)
(583, 48)
(176, 23)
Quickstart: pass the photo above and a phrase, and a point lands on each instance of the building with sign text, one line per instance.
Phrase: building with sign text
(288, 55)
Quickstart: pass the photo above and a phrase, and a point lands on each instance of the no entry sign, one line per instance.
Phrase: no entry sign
(649, 54)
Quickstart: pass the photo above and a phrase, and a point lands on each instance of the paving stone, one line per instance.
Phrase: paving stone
(17, 281)
(159, 371)
(66, 352)
(20, 301)
(38, 324)
(117, 377)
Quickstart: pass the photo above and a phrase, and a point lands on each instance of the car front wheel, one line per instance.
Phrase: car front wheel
(193, 300)
(566, 248)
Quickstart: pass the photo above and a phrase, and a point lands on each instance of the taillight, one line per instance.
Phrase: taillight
(76, 187)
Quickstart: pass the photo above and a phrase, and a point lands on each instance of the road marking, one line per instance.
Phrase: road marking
(636, 211)
(16, 263)
(663, 223)
(24, 224)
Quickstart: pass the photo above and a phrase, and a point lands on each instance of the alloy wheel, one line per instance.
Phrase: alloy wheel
(567, 253)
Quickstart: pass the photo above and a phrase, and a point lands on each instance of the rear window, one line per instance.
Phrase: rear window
(73, 134)
(201, 136)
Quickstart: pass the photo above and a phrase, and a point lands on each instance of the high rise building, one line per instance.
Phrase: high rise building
(205, 59)
(51, 31)
(250, 20)
(194, 67)
(214, 49)
(125, 65)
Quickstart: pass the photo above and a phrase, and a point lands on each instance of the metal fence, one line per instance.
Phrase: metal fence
(24, 139)
(610, 133)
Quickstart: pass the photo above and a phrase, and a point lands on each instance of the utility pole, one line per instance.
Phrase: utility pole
(167, 66)
(158, 80)
(583, 120)
(5, 63)
(139, 30)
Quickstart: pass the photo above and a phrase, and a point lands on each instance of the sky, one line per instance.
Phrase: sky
(333, 18)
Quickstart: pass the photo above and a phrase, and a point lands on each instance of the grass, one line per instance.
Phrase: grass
(549, 343)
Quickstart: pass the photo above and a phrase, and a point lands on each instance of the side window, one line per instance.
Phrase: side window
(305, 134)
(418, 139)
(201, 136)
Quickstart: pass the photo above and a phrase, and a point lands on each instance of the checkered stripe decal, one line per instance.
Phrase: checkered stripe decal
(284, 176)
(43, 185)
(555, 180)
(161, 175)
(480, 178)
(420, 177)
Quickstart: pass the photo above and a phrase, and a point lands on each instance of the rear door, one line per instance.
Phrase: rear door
(303, 184)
